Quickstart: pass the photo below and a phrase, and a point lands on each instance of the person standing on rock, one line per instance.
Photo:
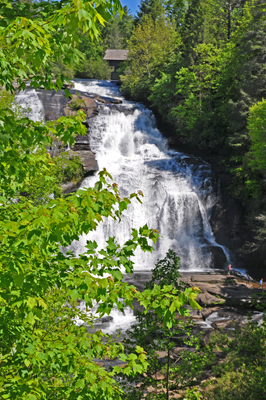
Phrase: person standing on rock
(261, 282)
(229, 269)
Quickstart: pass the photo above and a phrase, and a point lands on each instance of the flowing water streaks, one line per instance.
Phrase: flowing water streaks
(178, 193)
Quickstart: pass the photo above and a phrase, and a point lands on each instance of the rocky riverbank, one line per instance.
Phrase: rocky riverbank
(217, 288)
(228, 304)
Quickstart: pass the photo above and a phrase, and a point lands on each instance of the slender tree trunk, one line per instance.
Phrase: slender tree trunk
(229, 19)
(167, 377)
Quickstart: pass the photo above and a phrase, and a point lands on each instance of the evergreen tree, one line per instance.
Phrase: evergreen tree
(192, 32)
(252, 79)
(116, 33)
(176, 10)
(154, 8)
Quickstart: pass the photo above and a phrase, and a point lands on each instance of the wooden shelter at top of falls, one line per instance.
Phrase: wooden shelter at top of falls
(114, 58)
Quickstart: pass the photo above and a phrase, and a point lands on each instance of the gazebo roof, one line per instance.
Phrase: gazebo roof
(115, 55)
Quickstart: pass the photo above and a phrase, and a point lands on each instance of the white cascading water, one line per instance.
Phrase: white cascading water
(178, 193)
(178, 196)
(29, 100)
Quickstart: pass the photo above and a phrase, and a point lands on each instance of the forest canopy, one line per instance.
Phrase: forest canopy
(208, 87)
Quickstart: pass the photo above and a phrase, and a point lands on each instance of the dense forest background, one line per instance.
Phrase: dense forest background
(200, 65)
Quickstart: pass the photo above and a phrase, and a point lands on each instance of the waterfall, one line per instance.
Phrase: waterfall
(177, 189)
(178, 193)
(29, 100)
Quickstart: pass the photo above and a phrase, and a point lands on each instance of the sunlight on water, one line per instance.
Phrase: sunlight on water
(178, 195)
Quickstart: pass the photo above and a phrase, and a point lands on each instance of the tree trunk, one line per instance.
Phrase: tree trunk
(167, 377)
(229, 19)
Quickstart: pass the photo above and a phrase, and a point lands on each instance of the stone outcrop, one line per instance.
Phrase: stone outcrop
(105, 100)
(53, 103)
(88, 160)
(222, 289)
(86, 103)
(216, 289)
(56, 104)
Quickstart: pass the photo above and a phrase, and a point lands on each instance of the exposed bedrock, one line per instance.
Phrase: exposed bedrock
(56, 104)
(218, 256)
(228, 222)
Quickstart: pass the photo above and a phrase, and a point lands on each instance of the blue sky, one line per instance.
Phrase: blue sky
(131, 4)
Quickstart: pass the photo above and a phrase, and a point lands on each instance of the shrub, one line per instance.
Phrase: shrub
(76, 103)
(93, 69)
(69, 166)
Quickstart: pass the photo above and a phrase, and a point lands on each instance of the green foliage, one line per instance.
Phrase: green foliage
(193, 394)
(44, 355)
(118, 31)
(6, 99)
(68, 166)
(241, 373)
(153, 331)
(76, 103)
(239, 385)
(177, 10)
(166, 272)
(33, 39)
(151, 8)
(257, 131)
(42, 350)
(150, 47)
(59, 68)
(40, 187)
(93, 69)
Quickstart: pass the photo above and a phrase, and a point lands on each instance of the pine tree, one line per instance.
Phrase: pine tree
(252, 76)
(154, 8)
(192, 31)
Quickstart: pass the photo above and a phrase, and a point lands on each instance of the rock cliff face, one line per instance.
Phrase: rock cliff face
(56, 105)
(228, 223)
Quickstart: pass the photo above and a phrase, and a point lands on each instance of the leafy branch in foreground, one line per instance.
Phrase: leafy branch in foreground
(44, 355)
(159, 329)
(34, 36)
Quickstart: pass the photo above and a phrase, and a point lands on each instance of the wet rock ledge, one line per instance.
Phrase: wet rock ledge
(56, 105)
(218, 291)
